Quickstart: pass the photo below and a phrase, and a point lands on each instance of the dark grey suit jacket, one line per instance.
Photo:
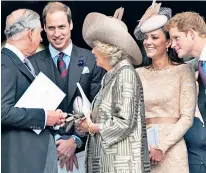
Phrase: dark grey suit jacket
(22, 150)
(90, 82)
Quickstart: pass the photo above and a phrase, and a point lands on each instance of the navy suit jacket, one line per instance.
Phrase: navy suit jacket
(195, 139)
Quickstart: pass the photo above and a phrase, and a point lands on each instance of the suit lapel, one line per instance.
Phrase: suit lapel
(74, 71)
(18, 63)
(46, 65)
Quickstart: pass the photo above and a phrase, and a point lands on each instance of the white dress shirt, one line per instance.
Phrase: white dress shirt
(67, 54)
(203, 54)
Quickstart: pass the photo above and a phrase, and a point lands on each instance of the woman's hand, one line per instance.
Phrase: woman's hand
(86, 125)
(82, 124)
(155, 155)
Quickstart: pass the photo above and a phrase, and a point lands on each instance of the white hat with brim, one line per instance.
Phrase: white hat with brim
(112, 31)
(154, 18)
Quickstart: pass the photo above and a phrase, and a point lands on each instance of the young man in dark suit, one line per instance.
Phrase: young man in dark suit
(66, 64)
(188, 34)
(24, 151)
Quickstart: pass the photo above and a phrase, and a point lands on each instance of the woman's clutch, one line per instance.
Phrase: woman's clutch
(153, 136)
(86, 105)
(77, 106)
(81, 108)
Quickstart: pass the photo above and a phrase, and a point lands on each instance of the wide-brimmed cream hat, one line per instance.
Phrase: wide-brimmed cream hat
(111, 30)
(154, 18)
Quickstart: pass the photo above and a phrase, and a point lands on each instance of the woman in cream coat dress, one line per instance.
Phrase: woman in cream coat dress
(117, 140)
(169, 93)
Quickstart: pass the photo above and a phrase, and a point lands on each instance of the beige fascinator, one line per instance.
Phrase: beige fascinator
(111, 30)
(154, 18)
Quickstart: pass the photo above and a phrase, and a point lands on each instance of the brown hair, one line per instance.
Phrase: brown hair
(52, 7)
(187, 20)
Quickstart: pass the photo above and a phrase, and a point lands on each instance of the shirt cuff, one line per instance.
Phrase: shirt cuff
(77, 140)
(39, 131)
(45, 118)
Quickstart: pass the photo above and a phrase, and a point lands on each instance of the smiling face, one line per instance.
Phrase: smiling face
(155, 44)
(181, 42)
(58, 29)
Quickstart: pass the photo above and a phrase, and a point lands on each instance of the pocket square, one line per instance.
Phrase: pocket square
(85, 70)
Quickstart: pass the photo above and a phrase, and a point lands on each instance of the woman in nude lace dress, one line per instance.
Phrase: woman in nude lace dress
(169, 93)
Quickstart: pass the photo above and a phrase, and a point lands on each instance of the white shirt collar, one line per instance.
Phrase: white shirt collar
(54, 52)
(16, 51)
(203, 54)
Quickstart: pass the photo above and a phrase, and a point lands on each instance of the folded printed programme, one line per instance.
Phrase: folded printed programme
(42, 93)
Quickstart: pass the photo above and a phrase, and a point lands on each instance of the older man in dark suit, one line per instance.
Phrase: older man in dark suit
(24, 151)
(66, 64)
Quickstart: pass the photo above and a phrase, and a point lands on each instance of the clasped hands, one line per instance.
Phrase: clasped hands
(155, 155)
(66, 153)
(66, 147)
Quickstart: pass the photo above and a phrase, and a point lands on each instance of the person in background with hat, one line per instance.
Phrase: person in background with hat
(170, 93)
(188, 34)
(117, 131)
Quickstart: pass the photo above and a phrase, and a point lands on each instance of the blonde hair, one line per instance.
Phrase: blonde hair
(113, 53)
(187, 20)
(52, 7)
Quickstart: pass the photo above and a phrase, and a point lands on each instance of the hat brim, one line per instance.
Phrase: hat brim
(110, 30)
(153, 23)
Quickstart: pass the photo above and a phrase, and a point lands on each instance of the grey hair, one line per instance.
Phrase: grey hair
(29, 19)
(113, 53)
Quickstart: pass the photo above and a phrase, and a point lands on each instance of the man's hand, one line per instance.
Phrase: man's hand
(72, 160)
(55, 118)
(65, 149)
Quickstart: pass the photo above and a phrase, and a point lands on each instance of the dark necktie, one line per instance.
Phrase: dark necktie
(202, 73)
(29, 66)
(61, 65)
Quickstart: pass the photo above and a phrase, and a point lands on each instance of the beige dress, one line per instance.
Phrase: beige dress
(170, 93)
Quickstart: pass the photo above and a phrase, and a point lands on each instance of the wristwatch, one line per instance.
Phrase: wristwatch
(77, 141)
